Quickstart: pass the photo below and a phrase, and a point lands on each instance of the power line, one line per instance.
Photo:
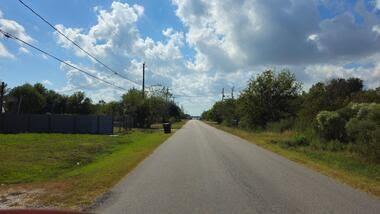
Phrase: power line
(8, 35)
(76, 44)
(195, 96)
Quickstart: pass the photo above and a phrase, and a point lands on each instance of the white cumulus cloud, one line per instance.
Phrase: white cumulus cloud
(14, 28)
(231, 40)
(4, 53)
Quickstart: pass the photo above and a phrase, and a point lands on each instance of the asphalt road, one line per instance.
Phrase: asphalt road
(204, 170)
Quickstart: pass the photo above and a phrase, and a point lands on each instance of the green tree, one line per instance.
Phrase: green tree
(269, 97)
(29, 99)
(134, 106)
(330, 96)
(78, 103)
(113, 108)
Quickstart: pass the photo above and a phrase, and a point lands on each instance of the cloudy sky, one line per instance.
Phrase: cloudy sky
(195, 47)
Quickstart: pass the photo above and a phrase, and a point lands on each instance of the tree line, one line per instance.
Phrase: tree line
(336, 114)
(154, 107)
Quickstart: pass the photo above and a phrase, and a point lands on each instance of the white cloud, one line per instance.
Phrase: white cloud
(139, 9)
(14, 28)
(232, 40)
(378, 4)
(44, 56)
(313, 37)
(247, 33)
(23, 50)
(376, 28)
(115, 40)
(47, 82)
(4, 53)
(321, 72)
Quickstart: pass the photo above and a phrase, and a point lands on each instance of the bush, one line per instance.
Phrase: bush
(331, 126)
(280, 126)
(363, 130)
(367, 111)
(334, 146)
(359, 131)
(296, 141)
(347, 112)
(366, 135)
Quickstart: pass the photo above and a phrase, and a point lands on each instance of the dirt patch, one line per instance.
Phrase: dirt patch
(29, 195)
(20, 198)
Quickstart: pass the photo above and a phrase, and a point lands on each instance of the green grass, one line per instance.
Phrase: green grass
(177, 125)
(342, 165)
(73, 169)
(38, 157)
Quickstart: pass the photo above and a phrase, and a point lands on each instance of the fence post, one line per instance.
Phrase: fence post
(112, 118)
(1, 123)
(98, 124)
(74, 124)
(49, 122)
(28, 123)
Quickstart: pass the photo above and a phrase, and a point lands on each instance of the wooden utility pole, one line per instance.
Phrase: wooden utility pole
(223, 94)
(232, 92)
(167, 94)
(2, 92)
(143, 81)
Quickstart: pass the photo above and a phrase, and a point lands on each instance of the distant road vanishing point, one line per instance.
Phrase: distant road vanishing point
(204, 170)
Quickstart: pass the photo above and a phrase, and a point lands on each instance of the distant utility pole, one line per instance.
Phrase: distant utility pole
(143, 82)
(2, 92)
(223, 94)
(167, 94)
(232, 92)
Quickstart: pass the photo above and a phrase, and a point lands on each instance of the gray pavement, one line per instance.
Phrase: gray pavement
(204, 170)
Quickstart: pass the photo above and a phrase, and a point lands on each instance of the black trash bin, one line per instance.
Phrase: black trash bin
(167, 128)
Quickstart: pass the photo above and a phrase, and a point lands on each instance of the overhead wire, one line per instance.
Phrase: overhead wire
(8, 35)
(76, 44)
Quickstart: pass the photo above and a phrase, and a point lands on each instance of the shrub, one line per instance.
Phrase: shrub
(331, 126)
(300, 140)
(364, 130)
(360, 130)
(334, 146)
(347, 112)
(280, 126)
(367, 111)
(296, 141)
(366, 135)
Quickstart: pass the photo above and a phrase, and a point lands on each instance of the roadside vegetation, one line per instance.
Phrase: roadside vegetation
(156, 106)
(333, 127)
(71, 170)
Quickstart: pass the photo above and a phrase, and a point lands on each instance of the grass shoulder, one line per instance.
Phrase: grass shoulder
(341, 165)
(69, 171)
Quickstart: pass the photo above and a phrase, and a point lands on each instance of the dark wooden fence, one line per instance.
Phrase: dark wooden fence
(122, 123)
(54, 123)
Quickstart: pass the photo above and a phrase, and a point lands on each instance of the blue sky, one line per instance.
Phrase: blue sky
(194, 47)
